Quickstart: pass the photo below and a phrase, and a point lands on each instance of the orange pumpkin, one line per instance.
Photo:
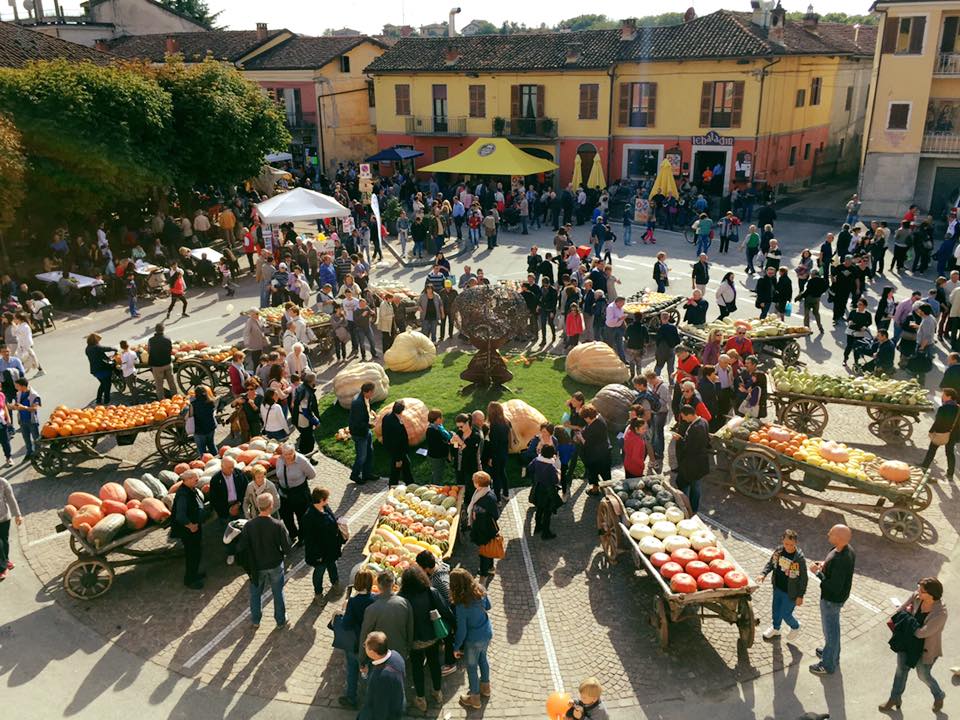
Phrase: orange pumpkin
(89, 515)
(895, 471)
(113, 491)
(78, 499)
(110, 507)
(50, 430)
(136, 519)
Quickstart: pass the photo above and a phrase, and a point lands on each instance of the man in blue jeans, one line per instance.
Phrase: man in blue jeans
(28, 404)
(359, 425)
(263, 544)
(836, 578)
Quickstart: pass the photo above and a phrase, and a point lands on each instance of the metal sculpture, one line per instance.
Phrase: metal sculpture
(490, 316)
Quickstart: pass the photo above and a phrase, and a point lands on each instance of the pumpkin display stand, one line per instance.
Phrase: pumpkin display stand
(490, 316)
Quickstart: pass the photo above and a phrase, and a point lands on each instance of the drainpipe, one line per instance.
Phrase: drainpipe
(756, 137)
(610, 73)
(873, 108)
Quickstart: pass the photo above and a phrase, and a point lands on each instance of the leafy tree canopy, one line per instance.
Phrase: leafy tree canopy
(12, 171)
(198, 10)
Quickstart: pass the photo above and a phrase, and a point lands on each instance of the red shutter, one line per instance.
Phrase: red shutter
(917, 26)
(624, 107)
(514, 101)
(706, 102)
(891, 27)
(584, 101)
(652, 104)
(541, 93)
(737, 111)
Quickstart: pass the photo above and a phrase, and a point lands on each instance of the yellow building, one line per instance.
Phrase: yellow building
(912, 149)
(319, 81)
(764, 99)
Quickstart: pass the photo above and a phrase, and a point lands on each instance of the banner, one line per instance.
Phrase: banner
(375, 206)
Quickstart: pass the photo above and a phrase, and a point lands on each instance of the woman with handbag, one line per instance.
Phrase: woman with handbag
(346, 634)
(474, 633)
(483, 513)
(431, 620)
(274, 421)
(918, 641)
(497, 449)
(468, 444)
(944, 431)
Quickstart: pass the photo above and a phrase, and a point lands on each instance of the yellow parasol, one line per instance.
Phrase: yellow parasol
(577, 179)
(492, 156)
(596, 175)
(665, 182)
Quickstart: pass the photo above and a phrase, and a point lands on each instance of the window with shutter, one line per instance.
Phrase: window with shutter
(624, 107)
(951, 25)
(815, 86)
(402, 96)
(899, 116)
(589, 101)
(848, 103)
(725, 104)
(514, 101)
(541, 94)
(706, 99)
(801, 98)
(736, 112)
(651, 104)
(891, 28)
(907, 38)
(478, 101)
(641, 104)
(917, 27)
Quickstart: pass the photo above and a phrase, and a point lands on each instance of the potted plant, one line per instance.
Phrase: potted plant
(499, 124)
(547, 126)
(390, 214)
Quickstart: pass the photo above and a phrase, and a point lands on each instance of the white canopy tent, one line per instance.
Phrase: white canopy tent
(300, 204)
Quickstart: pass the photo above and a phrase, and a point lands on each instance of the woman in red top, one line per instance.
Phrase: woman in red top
(573, 325)
(634, 448)
(178, 288)
(687, 363)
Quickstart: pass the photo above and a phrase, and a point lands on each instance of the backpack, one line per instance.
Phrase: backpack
(651, 398)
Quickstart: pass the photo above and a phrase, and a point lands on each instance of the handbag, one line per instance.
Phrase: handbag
(190, 422)
(942, 438)
(493, 548)
(440, 629)
(344, 638)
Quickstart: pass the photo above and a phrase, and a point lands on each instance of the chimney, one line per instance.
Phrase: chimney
(574, 51)
(101, 45)
(451, 55)
(811, 19)
(778, 17)
(628, 29)
(689, 15)
(173, 46)
(261, 32)
(451, 22)
(760, 12)
(406, 31)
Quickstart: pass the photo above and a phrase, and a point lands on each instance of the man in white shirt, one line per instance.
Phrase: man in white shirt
(201, 225)
(102, 241)
(128, 365)
(615, 322)
(24, 336)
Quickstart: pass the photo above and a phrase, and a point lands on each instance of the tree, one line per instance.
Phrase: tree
(587, 22)
(222, 125)
(196, 10)
(12, 171)
(92, 136)
(485, 27)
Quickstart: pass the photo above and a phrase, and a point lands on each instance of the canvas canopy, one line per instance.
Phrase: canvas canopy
(394, 154)
(300, 204)
(492, 156)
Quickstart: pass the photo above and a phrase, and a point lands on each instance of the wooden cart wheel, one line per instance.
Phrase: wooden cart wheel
(790, 354)
(746, 622)
(75, 547)
(192, 373)
(653, 321)
(608, 523)
(173, 443)
(48, 459)
(901, 525)
(894, 429)
(805, 416)
(756, 475)
(116, 380)
(661, 622)
(921, 501)
(87, 578)
(875, 413)
(221, 375)
(674, 316)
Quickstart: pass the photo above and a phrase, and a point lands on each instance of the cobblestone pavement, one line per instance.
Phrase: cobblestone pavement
(595, 614)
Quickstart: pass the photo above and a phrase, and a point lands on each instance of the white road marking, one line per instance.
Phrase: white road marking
(48, 538)
(268, 596)
(548, 645)
(767, 551)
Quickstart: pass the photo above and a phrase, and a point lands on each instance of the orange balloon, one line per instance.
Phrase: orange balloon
(557, 705)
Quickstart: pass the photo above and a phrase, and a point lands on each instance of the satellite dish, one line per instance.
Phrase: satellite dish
(27, 5)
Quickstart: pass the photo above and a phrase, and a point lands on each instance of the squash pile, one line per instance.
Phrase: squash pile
(313, 319)
(866, 387)
(650, 301)
(66, 421)
(413, 518)
(770, 326)
(117, 509)
(188, 350)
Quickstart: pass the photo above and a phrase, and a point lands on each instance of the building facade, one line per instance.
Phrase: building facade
(912, 149)
(763, 98)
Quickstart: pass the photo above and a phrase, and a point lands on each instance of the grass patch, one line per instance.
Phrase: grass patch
(543, 384)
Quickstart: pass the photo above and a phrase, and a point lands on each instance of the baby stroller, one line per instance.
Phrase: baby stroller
(156, 284)
(510, 218)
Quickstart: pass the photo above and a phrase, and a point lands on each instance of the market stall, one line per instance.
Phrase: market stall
(762, 458)
(770, 336)
(894, 406)
(696, 577)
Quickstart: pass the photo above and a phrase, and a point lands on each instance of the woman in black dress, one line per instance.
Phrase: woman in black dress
(468, 443)
(497, 450)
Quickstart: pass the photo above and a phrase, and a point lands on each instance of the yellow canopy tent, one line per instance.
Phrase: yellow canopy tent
(492, 156)
(577, 179)
(596, 175)
(665, 182)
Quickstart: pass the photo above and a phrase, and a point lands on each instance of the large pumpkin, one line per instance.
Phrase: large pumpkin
(526, 421)
(895, 471)
(347, 382)
(613, 403)
(411, 351)
(596, 363)
(413, 417)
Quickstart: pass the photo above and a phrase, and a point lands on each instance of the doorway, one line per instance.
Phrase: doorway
(946, 189)
(709, 159)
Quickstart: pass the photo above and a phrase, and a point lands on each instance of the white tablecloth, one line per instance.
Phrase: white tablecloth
(212, 255)
(141, 267)
(82, 281)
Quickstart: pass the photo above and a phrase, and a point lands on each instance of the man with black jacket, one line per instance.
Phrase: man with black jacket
(186, 524)
(264, 543)
(306, 413)
(812, 293)
(845, 284)
(693, 460)
(548, 311)
(595, 451)
(227, 489)
(359, 424)
(533, 261)
(836, 578)
(532, 301)
(766, 291)
(397, 444)
(160, 352)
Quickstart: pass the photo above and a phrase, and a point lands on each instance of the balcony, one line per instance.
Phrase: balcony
(300, 121)
(521, 127)
(436, 125)
(940, 144)
(947, 64)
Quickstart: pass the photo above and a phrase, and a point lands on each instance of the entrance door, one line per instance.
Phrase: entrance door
(440, 108)
(704, 159)
(946, 189)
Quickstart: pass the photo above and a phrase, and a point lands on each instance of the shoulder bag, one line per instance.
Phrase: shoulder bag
(494, 548)
(942, 438)
(440, 629)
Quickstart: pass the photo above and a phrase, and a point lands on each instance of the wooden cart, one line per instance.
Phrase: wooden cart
(779, 347)
(732, 605)
(188, 374)
(761, 473)
(454, 529)
(651, 317)
(173, 444)
(808, 414)
(322, 332)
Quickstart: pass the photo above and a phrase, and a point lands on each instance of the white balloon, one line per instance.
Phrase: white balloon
(229, 308)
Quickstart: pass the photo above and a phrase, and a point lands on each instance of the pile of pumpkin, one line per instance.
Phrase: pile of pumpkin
(274, 316)
(66, 421)
(117, 509)
(649, 301)
(188, 350)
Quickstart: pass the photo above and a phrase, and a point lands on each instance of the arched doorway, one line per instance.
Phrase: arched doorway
(588, 155)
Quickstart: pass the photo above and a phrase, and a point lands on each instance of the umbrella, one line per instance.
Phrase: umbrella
(492, 156)
(300, 204)
(596, 175)
(665, 183)
(278, 157)
(394, 154)
(577, 179)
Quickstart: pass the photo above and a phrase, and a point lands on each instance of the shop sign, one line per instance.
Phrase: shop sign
(711, 138)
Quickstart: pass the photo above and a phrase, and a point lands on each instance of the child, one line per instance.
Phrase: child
(403, 232)
(573, 326)
(789, 569)
(589, 706)
(227, 276)
(648, 238)
(566, 452)
(132, 295)
(128, 365)
(544, 493)
(341, 332)
(438, 446)
(635, 447)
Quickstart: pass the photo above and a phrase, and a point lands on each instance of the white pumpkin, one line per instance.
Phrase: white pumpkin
(640, 531)
(650, 545)
(411, 351)
(639, 517)
(701, 539)
(674, 515)
(675, 542)
(347, 382)
(525, 421)
(656, 517)
(664, 528)
(688, 527)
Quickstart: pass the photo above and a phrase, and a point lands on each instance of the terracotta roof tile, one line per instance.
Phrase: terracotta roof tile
(20, 45)
(229, 45)
(304, 51)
